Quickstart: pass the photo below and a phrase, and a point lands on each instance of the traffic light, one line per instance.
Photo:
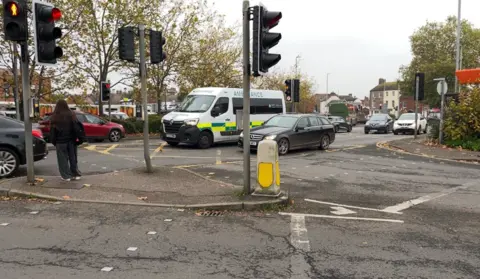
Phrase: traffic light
(105, 91)
(296, 90)
(126, 43)
(288, 90)
(156, 47)
(421, 85)
(263, 40)
(15, 24)
(46, 34)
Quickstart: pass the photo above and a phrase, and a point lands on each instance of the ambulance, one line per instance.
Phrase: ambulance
(214, 115)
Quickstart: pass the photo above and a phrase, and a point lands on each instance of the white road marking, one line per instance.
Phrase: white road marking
(4, 224)
(132, 249)
(404, 205)
(106, 269)
(168, 220)
(298, 233)
(218, 159)
(34, 212)
(338, 210)
(299, 239)
(151, 232)
(350, 206)
(342, 217)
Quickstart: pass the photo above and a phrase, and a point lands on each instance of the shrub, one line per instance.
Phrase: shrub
(135, 126)
(471, 144)
(462, 121)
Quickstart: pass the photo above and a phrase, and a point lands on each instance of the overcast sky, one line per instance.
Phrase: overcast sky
(357, 41)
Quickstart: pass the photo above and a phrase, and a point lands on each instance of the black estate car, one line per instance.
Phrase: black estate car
(12, 146)
(293, 132)
(340, 124)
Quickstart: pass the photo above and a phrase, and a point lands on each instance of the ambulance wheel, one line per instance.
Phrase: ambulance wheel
(205, 140)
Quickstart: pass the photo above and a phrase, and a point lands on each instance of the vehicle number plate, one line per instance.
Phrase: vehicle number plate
(171, 136)
(254, 143)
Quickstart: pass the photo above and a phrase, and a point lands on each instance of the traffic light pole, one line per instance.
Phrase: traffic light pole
(246, 97)
(26, 114)
(417, 84)
(143, 79)
(15, 81)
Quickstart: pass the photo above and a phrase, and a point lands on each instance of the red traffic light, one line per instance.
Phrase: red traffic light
(12, 8)
(56, 14)
(107, 85)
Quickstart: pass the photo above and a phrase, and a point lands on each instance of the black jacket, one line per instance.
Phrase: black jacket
(63, 134)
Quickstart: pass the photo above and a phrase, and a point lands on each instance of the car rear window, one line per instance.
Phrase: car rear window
(7, 122)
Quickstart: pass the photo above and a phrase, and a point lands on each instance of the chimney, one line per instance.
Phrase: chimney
(381, 81)
(350, 94)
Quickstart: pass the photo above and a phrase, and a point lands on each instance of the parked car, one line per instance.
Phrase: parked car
(379, 122)
(340, 124)
(293, 131)
(406, 124)
(12, 146)
(95, 127)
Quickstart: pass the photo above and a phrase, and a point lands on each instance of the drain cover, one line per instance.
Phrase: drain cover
(210, 213)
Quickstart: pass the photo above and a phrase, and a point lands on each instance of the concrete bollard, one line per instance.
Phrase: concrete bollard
(268, 169)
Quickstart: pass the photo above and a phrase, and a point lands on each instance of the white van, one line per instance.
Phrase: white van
(209, 115)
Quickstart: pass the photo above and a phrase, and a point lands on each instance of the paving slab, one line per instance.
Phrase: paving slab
(174, 187)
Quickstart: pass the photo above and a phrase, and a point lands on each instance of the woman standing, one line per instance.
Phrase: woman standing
(63, 136)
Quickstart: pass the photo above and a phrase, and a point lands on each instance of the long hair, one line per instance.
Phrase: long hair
(62, 115)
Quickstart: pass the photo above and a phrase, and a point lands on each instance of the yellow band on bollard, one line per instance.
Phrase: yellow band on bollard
(265, 174)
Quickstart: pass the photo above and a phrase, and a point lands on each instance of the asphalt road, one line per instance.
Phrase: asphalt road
(129, 154)
(358, 212)
(45, 240)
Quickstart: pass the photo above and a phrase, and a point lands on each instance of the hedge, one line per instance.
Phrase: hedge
(135, 126)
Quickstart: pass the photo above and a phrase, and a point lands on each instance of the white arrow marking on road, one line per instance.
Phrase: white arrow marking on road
(405, 205)
(338, 210)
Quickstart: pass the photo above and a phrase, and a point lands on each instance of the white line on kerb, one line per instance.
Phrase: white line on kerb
(342, 217)
(404, 205)
(350, 206)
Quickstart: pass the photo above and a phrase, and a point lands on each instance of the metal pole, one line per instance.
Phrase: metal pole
(110, 109)
(246, 97)
(26, 113)
(15, 81)
(417, 81)
(457, 44)
(143, 79)
(440, 137)
(327, 83)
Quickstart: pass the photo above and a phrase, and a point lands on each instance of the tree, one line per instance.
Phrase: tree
(96, 39)
(433, 50)
(47, 80)
(276, 81)
(200, 50)
(213, 59)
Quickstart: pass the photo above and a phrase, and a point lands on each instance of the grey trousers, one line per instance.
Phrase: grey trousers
(67, 160)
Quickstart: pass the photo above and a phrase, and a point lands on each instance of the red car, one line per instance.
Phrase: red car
(95, 128)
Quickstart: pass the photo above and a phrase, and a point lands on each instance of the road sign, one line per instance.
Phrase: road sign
(439, 87)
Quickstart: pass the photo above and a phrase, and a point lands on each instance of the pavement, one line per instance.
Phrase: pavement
(359, 211)
(422, 147)
(165, 187)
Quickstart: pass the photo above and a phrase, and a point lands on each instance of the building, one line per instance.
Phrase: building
(385, 95)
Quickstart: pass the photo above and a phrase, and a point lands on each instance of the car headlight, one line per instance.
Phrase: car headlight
(191, 122)
(241, 134)
(271, 137)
